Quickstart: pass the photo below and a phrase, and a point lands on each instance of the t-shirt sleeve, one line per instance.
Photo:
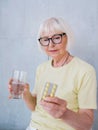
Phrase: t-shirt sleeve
(87, 96)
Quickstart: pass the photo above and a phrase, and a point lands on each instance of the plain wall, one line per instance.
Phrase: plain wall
(19, 23)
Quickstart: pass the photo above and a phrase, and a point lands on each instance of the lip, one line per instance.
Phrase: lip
(53, 50)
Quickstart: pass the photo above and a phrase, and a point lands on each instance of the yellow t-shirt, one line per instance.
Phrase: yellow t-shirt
(76, 83)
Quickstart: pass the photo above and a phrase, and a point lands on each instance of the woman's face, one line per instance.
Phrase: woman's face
(55, 50)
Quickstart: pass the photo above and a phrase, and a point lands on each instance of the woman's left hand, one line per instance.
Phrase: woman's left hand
(54, 106)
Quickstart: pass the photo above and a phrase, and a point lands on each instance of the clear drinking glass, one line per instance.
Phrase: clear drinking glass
(19, 79)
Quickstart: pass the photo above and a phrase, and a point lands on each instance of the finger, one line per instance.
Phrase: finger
(49, 105)
(26, 87)
(55, 100)
(10, 97)
(10, 81)
(9, 86)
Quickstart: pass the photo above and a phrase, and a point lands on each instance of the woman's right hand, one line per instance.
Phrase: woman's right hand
(25, 92)
(30, 99)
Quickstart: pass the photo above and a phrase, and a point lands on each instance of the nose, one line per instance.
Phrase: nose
(51, 44)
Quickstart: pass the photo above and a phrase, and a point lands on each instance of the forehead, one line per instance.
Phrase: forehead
(50, 29)
(49, 33)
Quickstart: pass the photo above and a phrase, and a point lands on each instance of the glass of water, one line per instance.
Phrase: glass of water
(19, 78)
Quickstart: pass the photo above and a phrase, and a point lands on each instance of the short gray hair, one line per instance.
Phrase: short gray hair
(56, 24)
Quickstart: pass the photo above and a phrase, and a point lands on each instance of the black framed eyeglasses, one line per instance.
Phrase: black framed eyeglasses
(56, 39)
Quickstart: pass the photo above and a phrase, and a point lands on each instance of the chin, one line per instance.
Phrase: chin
(53, 56)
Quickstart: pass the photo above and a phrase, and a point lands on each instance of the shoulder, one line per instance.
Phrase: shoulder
(83, 65)
(43, 65)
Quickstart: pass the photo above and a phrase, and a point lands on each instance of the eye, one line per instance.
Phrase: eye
(44, 39)
(56, 37)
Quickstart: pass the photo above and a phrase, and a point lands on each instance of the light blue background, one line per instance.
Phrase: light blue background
(19, 23)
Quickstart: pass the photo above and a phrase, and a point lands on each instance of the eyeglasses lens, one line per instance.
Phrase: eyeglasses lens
(56, 39)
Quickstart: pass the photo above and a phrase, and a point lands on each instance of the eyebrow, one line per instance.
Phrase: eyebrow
(52, 35)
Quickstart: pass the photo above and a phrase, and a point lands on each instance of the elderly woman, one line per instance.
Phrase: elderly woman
(72, 106)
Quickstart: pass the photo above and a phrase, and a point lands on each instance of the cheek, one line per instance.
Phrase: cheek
(45, 50)
(62, 46)
(64, 43)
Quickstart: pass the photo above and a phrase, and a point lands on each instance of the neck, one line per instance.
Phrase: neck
(62, 60)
